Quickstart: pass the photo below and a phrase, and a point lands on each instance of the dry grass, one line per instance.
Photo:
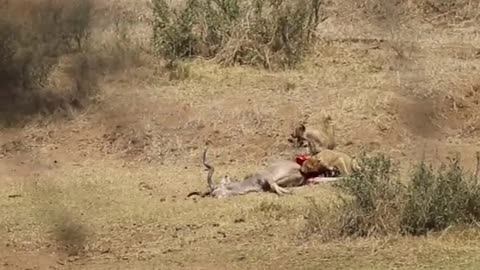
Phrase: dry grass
(107, 217)
(268, 34)
(107, 188)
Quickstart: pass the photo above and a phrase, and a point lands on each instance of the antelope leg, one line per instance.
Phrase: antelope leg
(279, 190)
(317, 180)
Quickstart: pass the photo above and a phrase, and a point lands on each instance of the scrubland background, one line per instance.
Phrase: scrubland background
(104, 115)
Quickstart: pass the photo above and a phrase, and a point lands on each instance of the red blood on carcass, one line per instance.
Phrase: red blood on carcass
(301, 158)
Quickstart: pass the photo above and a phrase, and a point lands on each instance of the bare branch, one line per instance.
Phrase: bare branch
(477, 169)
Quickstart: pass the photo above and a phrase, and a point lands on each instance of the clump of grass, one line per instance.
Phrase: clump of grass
(271, 34)
(178, 71)
(273, 210)
(322, 220)
(454, 11)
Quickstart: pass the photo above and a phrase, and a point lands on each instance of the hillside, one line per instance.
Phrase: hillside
(104, 187)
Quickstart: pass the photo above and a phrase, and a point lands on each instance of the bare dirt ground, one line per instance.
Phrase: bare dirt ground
(106, 188)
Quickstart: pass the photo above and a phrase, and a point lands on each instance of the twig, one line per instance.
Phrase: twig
(477, 169)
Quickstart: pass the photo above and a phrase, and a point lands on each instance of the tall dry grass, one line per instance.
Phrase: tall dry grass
(271, 34)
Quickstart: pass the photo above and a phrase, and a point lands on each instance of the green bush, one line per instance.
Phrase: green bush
(377, 196)
(436, 200)
(377, 203)
(274, 33)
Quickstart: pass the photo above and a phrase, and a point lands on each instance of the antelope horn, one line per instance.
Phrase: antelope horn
(210, 168)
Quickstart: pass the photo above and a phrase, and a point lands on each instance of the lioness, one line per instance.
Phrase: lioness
(322, 138)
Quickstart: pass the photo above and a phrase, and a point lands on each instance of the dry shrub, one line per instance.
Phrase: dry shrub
(272, 34)
(450, 10)
(35, 37)
(121, 43)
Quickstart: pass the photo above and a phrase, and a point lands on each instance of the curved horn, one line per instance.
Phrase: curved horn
(312, 147)
(210, 168)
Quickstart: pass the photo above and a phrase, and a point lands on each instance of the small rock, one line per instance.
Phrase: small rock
(73, 258)
(239, 220)
(169, 251)
(143, 185)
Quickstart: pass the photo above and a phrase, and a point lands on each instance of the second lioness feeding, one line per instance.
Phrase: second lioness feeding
(326, 161)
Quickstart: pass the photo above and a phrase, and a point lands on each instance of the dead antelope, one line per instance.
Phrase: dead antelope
(274, 178)
(280, 173)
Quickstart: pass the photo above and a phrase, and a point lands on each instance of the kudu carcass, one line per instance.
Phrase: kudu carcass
(273, 178)
(282, 172)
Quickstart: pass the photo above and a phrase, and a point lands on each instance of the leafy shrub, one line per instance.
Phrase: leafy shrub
(436, 200)
(34, 38)
(274, 33)
(379, 204)
(377, 196)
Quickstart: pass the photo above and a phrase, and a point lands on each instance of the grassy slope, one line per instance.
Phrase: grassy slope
(113, 181)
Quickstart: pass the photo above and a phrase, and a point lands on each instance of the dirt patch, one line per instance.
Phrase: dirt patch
(12, 147)
(12, 259)
(420, 118)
